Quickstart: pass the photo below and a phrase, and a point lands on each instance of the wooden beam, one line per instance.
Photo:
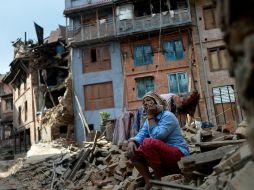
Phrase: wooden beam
(172, 185)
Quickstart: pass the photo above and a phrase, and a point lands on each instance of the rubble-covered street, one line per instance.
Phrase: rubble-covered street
(218, 159)
(127, 95)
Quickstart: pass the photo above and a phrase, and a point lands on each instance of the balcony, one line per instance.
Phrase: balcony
(78, 5)
(107, 29)
(155, 22)
(91, 32)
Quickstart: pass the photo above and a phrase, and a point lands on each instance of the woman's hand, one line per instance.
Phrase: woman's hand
(132, 148)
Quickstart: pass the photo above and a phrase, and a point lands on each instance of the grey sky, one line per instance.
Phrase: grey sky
(17, 17)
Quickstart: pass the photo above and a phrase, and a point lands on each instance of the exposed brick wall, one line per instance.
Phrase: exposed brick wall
(159, 69)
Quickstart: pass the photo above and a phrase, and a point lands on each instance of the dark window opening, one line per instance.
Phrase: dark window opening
(158, 7)
(26, 110)
(18, 90)
(9, 105)
(63, 129)
(93, 55)
(55, 95)
(91, 127)
(142, 8)
(25, 85)
(19, 116)
(53, 76)
(28, 142)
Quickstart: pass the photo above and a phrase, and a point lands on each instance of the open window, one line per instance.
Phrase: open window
(144, 7)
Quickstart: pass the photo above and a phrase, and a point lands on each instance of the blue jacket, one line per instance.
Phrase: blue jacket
(167, 130)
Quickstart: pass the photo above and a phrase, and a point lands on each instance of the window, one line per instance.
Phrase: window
(144, 85)
(9, 105)
(178, 83)
(25, 85)
(99, 96)
(218, 59)
(173, 50)
(223, 94)
(96, 59)
(18, 89)
(25, 110)
(143, 55)
(225, 104)
(19, 116)
(209, 17)
(93, 55)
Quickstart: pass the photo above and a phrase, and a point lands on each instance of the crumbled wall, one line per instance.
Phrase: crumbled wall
(60, 115)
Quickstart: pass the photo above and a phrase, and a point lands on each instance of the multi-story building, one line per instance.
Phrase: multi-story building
(6, 114)
(219, 93)
(122, 49)
(24, 114)
(96, 61)
(163, 45)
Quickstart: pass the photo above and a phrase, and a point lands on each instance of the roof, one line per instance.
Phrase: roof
(58, 34)
(18, 70)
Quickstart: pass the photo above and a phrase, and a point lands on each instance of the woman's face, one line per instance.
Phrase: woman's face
(148, 103)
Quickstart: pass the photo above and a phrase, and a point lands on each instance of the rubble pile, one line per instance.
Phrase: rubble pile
(216, 158)
(61, 114)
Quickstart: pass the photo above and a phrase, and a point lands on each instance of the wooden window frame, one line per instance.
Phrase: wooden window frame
(213, 17)
(108, 98)
(217, 49)
(101, 64)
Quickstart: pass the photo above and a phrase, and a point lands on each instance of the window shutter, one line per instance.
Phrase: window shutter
(105, 53)
(147, 54)
(87, 55)
(169, 51)
(173, 86)
(179, 49)
(99, 96)
(223, 59)
(183, 82)
(138, 55)
(209, 18)
(99, 55)
(214, 60)
(144, 85)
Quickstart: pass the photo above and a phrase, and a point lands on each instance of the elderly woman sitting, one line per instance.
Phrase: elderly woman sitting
(159, 144)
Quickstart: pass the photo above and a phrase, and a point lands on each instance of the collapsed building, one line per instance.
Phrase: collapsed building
(41, 84)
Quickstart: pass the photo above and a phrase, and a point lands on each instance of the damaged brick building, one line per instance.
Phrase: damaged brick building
(42, 101)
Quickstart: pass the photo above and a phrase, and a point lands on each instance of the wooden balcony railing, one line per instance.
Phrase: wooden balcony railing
(148, 23)
(91, 32)
(124, 27)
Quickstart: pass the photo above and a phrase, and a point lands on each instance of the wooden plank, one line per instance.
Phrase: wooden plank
(81, 114)
(172, 185)
(215, 144)
(83, 156)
